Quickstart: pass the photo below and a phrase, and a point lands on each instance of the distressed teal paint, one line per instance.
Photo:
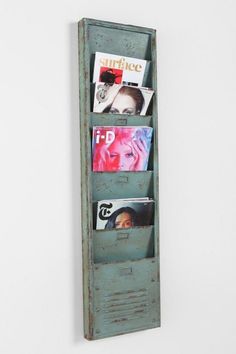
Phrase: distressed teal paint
(129, 298)
(119, 119)
(121, 184)
(121, 285)
(123, 245)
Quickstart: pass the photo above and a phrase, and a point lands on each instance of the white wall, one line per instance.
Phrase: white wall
(40, 253)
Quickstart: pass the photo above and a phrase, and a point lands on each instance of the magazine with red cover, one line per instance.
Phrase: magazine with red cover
(124, 213)
(121, 99)
(121, 148)
(118, 69)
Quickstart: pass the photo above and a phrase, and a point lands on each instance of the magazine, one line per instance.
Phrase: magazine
(117, 69)
(121, 148)
(121, 99)
(124, 213)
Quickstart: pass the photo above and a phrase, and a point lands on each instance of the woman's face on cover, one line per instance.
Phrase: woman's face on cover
(123, 104)
(123, 221)
(121, 156)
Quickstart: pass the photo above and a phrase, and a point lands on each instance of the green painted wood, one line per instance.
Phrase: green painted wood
(112, 39)
(104, 119)
(122, 245)
(122, 185)
(110, 274)
(86, 196)
(127, 301)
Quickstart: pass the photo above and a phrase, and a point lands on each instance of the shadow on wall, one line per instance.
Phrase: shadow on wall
(77, 301)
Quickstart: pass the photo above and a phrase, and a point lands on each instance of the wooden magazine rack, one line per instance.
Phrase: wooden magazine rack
(120, 267)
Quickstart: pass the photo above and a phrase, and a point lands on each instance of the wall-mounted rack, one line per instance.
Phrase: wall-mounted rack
(120, 267)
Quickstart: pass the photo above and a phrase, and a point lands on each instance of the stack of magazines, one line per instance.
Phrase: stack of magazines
(118, 85)
(124, 213)
(119, 90)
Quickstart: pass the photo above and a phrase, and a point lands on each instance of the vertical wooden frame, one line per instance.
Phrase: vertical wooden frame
(121, 285)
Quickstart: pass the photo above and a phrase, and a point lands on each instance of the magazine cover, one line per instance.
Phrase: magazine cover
(121, 148)
(121, 99)
(116, 69)
(122, 214)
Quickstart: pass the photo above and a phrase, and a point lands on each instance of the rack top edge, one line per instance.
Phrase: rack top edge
(90, 21)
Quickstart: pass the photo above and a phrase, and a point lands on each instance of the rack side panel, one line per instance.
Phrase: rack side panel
(86, 200)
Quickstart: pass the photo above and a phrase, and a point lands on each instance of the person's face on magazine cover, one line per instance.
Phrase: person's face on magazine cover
(121, 156)
(120, 149)
(123, 221)
(129, 155)
(123, 104)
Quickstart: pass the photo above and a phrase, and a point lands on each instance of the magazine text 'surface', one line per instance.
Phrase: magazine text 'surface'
(116, 69)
